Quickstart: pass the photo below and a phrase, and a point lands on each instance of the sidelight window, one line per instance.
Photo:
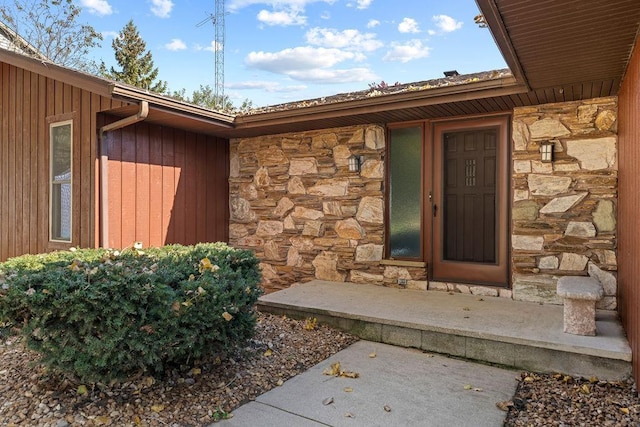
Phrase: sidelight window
(60, 206)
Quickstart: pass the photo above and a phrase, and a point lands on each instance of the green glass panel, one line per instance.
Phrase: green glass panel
(405, 154)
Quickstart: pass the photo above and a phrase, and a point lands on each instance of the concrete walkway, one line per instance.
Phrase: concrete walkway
(417, 389)
(496, 330)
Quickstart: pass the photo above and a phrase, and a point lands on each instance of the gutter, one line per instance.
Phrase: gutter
(394, 101)
(142, 114)
(136, 94)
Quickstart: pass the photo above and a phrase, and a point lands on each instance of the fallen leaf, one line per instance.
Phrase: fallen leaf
(349, 415)
(268, 353)
(157, 408)
(528, 379)
(175, 306)
(348, 389)
(147, 381)
(196, 371)
(136, 420)
(187, 303)
(567, 378)
(310, 323)
(467, 387)
(333, 370)
(593, 380)
(372, 355)
(624, 411)
(280, 382)
(387, 408)
(327, 401)
(102, 420)
(82, 389)
(504, 405)
(585, 389)
(227, 316)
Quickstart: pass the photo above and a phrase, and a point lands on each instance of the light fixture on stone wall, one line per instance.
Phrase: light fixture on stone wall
(546, 151)
(355, 162)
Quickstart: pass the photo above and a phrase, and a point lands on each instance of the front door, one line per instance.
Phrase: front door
(469, 203)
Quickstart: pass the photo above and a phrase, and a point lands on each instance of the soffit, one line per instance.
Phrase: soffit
(565, 44)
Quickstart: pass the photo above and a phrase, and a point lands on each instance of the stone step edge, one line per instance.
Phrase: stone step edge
(574, 349)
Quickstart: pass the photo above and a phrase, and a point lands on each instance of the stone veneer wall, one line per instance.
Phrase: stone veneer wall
(564, 213)
(295, 203)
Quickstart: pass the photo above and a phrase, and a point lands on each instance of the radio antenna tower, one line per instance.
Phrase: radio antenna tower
(217, 19)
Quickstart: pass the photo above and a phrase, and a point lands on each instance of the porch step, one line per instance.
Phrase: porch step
(521, 335)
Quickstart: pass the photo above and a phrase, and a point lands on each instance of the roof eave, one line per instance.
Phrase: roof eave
(498, 30)
(454, 93)
(131, 93)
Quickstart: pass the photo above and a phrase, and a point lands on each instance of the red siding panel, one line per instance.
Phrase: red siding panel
(28, 101)
(629, 206)
(181, 186)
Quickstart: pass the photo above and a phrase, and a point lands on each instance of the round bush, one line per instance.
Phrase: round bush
(105, 315)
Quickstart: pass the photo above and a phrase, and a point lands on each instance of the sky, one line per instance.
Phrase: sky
(281, 51)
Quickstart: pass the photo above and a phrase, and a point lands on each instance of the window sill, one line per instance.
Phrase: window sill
(403, 263)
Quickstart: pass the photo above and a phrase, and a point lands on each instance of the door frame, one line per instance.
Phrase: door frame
(466, 272)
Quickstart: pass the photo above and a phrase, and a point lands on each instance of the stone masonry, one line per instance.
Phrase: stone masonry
(564, 212)
(294, 201)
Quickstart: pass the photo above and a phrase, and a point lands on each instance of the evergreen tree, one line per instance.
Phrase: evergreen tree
(136, 64)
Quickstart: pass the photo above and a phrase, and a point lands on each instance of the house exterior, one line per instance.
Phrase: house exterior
(452, 192)
(88, 162)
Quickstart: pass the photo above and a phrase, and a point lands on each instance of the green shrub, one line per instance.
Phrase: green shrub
(103, 315)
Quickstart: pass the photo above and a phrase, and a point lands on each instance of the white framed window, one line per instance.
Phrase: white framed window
(60, 178)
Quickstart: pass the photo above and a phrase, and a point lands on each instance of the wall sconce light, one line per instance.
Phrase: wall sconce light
(546, 151)
(355, 162)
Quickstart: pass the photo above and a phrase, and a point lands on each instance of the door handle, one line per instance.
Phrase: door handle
(435, 209)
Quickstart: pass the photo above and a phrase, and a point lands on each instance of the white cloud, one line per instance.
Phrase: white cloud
(235, 5)
(347, 39)
(107, 34)
(296, 59)
(322, 76)
(213, 46)
(267, 86)
(161, 8)
(175, 44)
(310, 64)
(408, 25)
(97, 7)
(364, 4)
(446, 23)
(405, 52)
(373, 23)
(282, 18)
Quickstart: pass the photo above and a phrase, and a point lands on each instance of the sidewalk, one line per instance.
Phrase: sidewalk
(417, 388)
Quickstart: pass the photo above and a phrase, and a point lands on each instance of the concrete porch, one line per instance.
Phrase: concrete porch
(521, 335)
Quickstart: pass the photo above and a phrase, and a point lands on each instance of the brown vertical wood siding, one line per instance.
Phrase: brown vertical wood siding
(26, 101)
(165, 186)
(629, 207)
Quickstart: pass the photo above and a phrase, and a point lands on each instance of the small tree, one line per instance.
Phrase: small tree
(136, 64)
(51, 27)
(205, 97)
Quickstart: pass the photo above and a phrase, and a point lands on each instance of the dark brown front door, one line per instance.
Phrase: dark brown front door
(470, 202)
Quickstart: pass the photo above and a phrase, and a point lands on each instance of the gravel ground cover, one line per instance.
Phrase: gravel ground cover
(281, 349)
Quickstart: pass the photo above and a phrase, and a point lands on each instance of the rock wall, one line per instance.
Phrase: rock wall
(564, 212)
(295, 203)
